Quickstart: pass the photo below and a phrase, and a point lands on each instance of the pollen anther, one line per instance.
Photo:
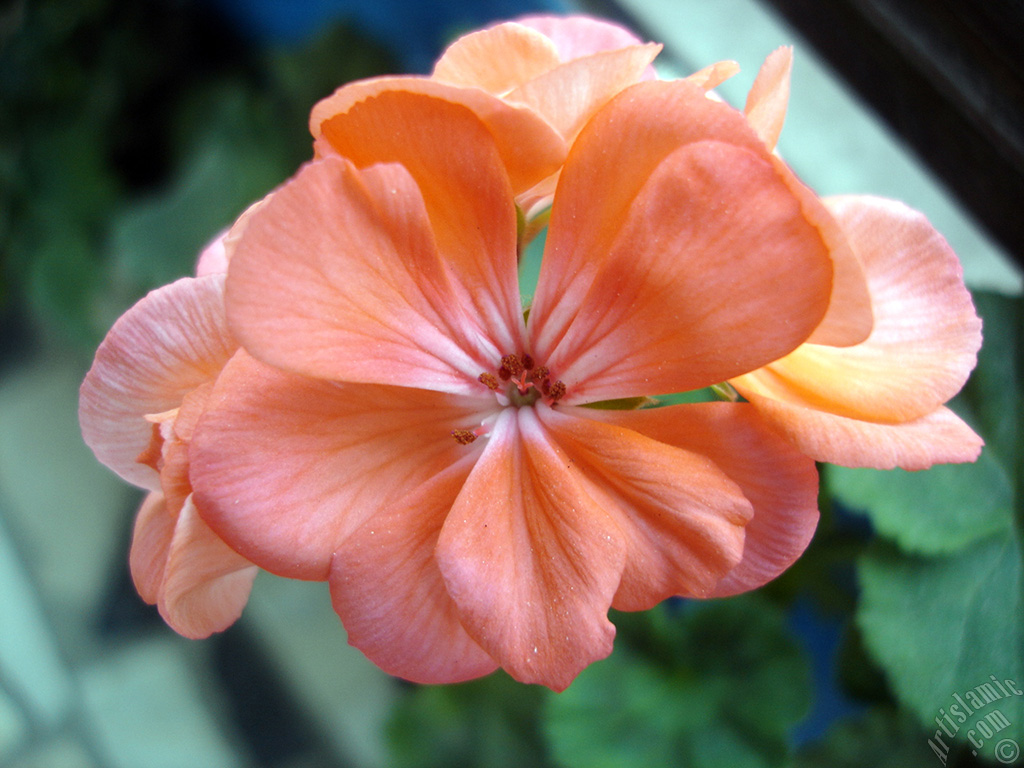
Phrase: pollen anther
(463, 436)
(489, 380)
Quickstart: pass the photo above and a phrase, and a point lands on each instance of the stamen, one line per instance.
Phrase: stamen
(539, 374)
(463, 436)
(489, 380)
(513, 364)
(557, 391)
(527, 362)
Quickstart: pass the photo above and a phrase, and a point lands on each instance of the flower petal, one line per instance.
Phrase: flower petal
(151, 538)
(768, 97)
(530, 149)
(529, 557)
(570, 94)
(940, 437)
(683, 519)
(206, 584)
(337, 276)
(170, 342)
(452, 158)
(496, 59)
(389, 594)
(714, 269)
(926, 334)
(780, 482)
(577, 36)
(285, 467)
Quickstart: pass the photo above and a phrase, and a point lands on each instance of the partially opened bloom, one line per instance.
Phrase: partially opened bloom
(872, 395)
(534, 83)
(139, 405)
(396, 426)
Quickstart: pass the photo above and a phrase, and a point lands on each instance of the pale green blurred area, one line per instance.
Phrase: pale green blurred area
(72, 695)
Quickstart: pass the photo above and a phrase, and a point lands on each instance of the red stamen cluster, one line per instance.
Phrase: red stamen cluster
(524, 374)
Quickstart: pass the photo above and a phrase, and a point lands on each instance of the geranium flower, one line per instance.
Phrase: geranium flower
(139, 405)
(534, 82)
(873, 397)
(397, 427)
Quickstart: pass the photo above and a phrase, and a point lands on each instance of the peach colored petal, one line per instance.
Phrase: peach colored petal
(780, 482)
(389, 594)
(714, 75)
(576, 36)
(213, 260)
(925, 337)
(151, 539)
(570, 94)
(714, 269)
(285, 467)
(529, 557)
(639, 128)
(683, 519)
(452, 158)
(206, 584)
(849, 318)
(940, 437)
(496, 59)
(337, 276)
(769, 96)
(170, 342)
(530, 149)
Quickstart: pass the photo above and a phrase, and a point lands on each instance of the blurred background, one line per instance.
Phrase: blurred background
(132, 131)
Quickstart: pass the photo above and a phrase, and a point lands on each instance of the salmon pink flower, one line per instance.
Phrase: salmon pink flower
(396, 426)
(873, 397)
(139, 405)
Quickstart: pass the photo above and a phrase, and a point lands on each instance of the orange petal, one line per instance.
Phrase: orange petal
(206, 584)
(849, 318)
(530, 149)
(769, 96)
(151, 538)
(389, 594)
(529, 557)
(337, 276)
(683, 519)
(925, 337)
(170, 342)
(452, 158)
(496, 59)
(569, 95)
(779, 482)
(285, 467)
(714, 75)
(714, 269)
(940, 437)
(576, 36)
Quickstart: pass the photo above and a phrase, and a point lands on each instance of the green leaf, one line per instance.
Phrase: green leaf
(942, 627)
(487, 723)
(718, 683)
(994, 391)
(880, 738)
(936, 511)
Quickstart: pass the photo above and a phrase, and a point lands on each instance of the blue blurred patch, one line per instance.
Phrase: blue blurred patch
(416, 31)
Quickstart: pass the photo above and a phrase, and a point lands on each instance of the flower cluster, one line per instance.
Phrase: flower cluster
(351, 389)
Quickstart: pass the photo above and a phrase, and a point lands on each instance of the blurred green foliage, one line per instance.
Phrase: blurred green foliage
(131, 134)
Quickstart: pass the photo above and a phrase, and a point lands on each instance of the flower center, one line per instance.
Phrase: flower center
(516, 382)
